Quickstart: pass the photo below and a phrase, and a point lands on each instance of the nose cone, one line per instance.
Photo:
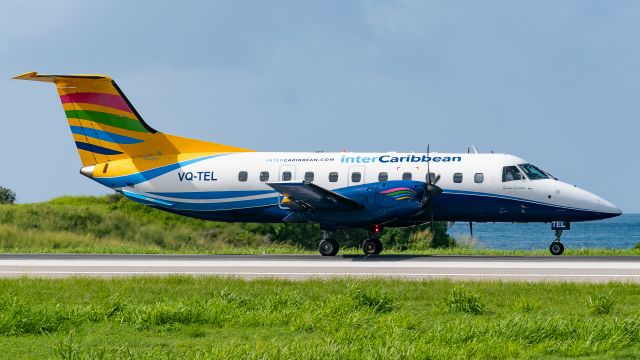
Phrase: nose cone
(588, 205)
(607, 209)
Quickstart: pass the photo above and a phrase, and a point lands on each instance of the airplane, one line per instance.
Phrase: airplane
(372, 191)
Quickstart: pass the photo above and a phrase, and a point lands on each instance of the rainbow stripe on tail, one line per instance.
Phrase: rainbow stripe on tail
(106, 127)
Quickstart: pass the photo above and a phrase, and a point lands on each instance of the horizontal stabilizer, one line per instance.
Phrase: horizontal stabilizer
(34, 76)
(312, 196)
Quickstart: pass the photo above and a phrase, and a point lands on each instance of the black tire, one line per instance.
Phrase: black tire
(372, 247)
(556, 248)
(378, 246)
(328, 247)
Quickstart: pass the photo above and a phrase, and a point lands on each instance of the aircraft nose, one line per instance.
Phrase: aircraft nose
(605, 207)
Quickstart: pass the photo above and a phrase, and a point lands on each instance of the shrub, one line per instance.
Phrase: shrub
(7, 196)
(418, 237)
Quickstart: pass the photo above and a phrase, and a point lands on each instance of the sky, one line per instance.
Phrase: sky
(554, 82)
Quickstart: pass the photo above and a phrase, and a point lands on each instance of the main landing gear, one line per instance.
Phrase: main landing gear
(556, 246)
(372, 246)
(328, 246)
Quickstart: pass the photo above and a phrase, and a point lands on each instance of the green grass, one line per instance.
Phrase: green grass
(115, 225)
(213, 317)
(110, 224)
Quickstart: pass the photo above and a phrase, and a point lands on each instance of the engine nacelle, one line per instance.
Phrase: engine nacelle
(383, 202)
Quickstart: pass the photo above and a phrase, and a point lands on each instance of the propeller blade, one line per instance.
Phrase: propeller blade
(433, 190)
(430, 190)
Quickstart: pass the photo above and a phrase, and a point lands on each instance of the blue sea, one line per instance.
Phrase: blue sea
(621, 232)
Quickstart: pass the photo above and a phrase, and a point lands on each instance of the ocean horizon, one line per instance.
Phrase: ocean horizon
(622, 232)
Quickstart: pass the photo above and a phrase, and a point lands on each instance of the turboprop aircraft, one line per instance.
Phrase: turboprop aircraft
(219, 182)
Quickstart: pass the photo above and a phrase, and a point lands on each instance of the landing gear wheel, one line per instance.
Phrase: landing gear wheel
(328, 247)
(372, 247)
(378, 246)
(556, 248)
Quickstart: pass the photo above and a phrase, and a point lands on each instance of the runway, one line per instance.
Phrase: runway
(542, 268)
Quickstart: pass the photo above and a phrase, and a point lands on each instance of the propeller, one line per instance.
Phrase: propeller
(430, 190)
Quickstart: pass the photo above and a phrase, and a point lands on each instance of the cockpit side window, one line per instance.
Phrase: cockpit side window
(533, 172)
(510, 173)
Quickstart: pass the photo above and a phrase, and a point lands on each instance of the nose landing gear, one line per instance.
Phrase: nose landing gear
(556, 247)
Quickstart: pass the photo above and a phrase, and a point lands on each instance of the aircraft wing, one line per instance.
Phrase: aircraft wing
(310, 196)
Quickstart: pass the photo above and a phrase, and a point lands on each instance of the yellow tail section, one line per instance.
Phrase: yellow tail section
(106, 127)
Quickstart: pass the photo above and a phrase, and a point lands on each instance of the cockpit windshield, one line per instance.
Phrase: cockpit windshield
(533, 172)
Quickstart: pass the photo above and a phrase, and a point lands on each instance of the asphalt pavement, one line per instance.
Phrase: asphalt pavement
(518, 268)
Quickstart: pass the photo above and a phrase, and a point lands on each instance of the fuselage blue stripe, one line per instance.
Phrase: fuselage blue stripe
(206, 195)
(452, 205)
(237, 194)
(104, 135)
(96, 149)
(231, 205)
(146, 198)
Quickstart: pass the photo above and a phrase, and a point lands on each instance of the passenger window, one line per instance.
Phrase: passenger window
(478, 178)
(286, 176)
(264, 176)
(510, 173)
(457, 178)
(356, 177)
(406, 176)
(308, 176)
(243, 176)
(333, 176)
(431, 176)
(383, 176)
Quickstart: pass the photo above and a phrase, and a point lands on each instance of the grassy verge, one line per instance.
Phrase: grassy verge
(295, 250)
(113, 225)
(208, 317)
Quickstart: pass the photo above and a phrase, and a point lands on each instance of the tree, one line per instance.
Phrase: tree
(7, 196)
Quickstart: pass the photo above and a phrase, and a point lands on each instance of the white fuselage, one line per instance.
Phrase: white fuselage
(238, 178)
